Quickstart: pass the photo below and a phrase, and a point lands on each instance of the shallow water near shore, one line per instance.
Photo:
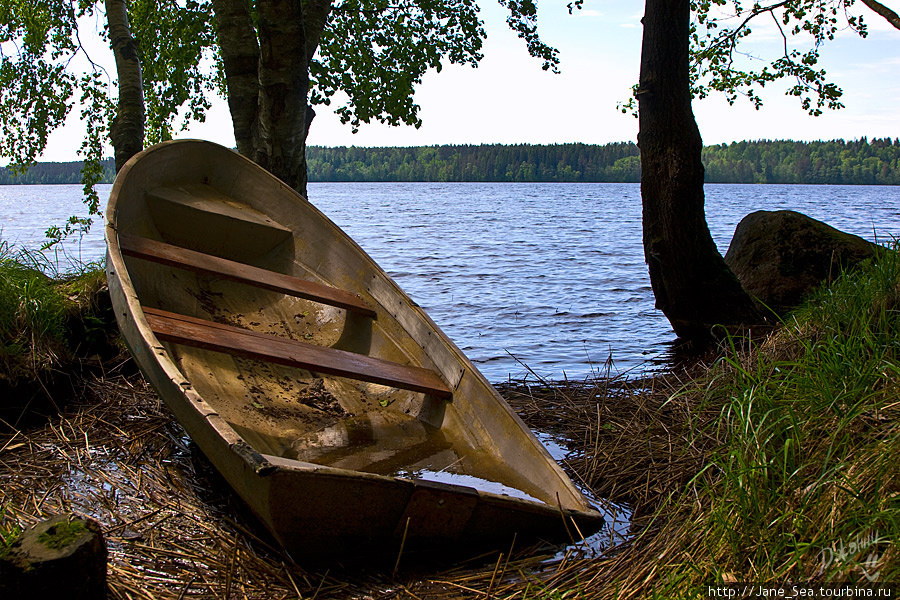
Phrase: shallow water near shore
(541, 279)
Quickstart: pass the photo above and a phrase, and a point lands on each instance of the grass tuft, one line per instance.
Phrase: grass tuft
(31, 309)
(53, 325)
(810, 441)
(10, 530)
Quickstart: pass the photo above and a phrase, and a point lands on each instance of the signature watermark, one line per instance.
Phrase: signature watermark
(860, 551)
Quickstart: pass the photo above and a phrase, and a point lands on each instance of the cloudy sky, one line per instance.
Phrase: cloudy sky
(509, 99)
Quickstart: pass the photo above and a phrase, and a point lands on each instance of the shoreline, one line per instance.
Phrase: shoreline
(857, 161)
(747, 467)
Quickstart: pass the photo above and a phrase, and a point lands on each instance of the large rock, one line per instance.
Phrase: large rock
(63, 557)
(781, 256)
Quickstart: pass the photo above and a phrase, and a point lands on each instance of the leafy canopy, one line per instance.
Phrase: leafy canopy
(46, 70)
(376, 52)
(803, 26)
(721, 29)
(373, 51)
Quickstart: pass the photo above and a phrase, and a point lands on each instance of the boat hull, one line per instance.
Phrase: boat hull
(329, 464)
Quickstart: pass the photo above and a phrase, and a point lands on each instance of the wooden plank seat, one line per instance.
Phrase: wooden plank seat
(190, 331)
(198, 262)
(189, 208)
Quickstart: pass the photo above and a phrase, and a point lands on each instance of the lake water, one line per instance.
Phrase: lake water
(543, 277)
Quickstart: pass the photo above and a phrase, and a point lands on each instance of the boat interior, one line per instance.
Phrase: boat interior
(265, 316)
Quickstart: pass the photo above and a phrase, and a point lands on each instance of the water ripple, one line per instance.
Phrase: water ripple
(542, 277)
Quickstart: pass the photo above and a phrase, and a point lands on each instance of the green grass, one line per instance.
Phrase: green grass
(806, 481)
(37, 303)
(790, 451)
(10, 530)
(31, 310)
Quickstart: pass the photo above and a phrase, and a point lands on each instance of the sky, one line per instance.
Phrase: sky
(508, 99)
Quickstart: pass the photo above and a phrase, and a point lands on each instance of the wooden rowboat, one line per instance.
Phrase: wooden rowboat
(326, 397)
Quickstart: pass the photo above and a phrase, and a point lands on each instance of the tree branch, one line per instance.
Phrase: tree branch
(892, 17)
(731, 36)
(83, 50)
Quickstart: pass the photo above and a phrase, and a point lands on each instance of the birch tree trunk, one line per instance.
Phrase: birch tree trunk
(280, 139)
(267, 76)
(240, 56)
(127, 130)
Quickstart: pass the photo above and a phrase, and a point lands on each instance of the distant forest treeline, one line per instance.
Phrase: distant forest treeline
(55, 173)
(834, 162)
(858, 162)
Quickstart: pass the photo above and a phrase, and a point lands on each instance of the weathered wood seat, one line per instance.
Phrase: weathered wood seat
(233, 228)
(190, 331)
(198, 262)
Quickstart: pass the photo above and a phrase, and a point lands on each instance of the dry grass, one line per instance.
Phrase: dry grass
(173, 528)
(176, 530)
(631, 442)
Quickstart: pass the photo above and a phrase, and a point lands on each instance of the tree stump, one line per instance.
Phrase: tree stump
(63, 557)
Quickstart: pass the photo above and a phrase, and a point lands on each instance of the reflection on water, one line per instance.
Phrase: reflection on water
(555, 446)
(551, 276)
(615, 530)
(617, 527)
(395, 444)
(451, 477)
(377, 442)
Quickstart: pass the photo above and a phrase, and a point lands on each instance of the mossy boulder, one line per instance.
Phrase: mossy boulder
(63, 557)
(781, 256)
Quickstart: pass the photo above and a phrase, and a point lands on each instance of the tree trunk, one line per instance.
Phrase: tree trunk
(267, 75)
(280, 142)
(240, 55)
(315, 17)
(62, 557)
(693, 286)
(127, 130)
